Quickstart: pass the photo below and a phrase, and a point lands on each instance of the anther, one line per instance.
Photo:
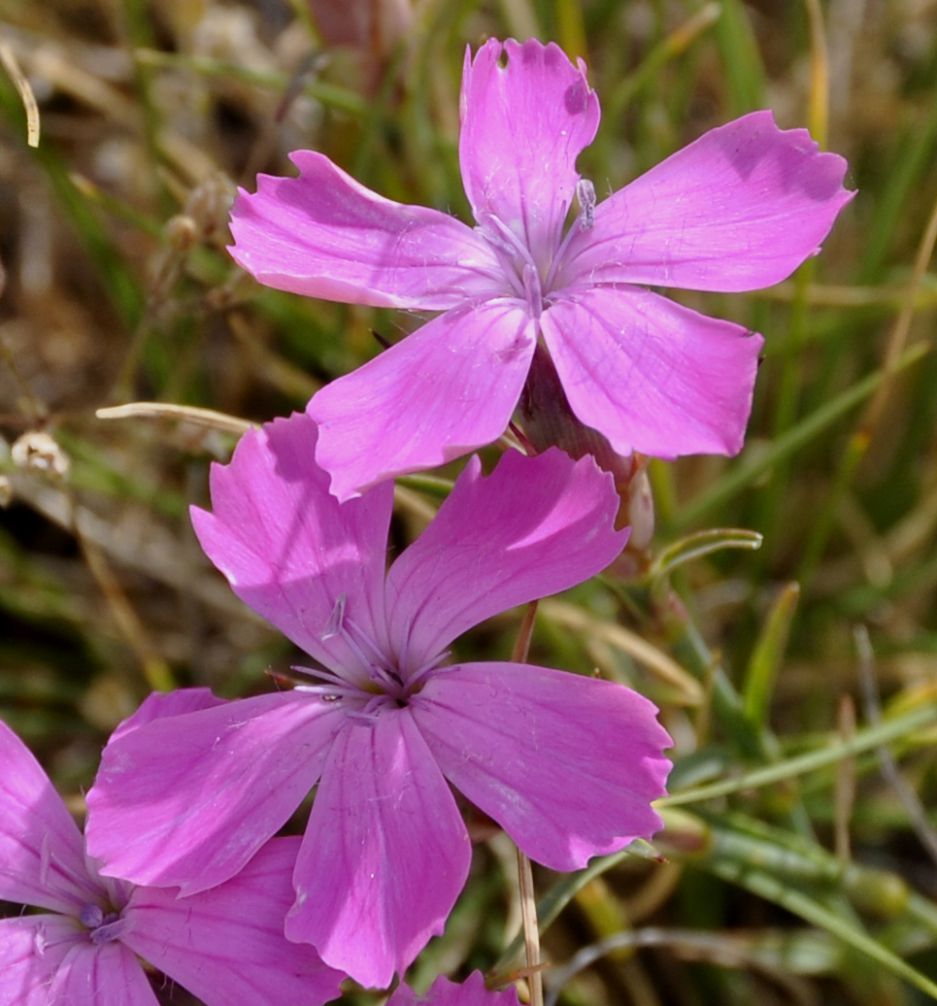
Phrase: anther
(585, 196)
(336, 620)
(91, 916)
(415, 680)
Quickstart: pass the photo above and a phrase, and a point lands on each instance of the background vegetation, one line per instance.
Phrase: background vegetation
(799, 680)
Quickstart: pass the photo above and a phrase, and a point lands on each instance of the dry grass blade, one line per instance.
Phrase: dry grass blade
(689, 691)
(819, 112)
(209, 418)
(154, 553)
(845, 792)
(915, 810)
(691, 945)
(525, 876)
(898, 338)
(22, 85)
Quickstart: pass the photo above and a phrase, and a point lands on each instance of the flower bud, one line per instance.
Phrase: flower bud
(548, 421)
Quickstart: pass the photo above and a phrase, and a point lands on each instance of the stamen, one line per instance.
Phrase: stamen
(104, 927)
(338, 625)
(426, 669)
(532, 290)
(333, 688)
(111, 930)
(45, 860)
(585, 196)
(333, 626)
(91, 916)
(374, 662)
(365, 641)
(342, 626)
(330, 693)
(320, 674)
(507, 244)
(370, 711)
(375, 705)
(501, 236)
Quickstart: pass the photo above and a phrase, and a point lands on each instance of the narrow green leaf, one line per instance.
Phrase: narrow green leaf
(756, 463)
(331, 95)
(572, 30)
(830, 754)
(432, 485)
(672, 47)
(741, 58)
(767, 653)
(779, 890)
(117, 278)
(916, 143)
(700, 543)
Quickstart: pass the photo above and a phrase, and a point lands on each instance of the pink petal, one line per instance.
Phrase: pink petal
(533, 527)
(227, 945)
(385, 853)
(106, 975)
(471, 992)
(523, 126)
(440, 393)
(650, 375)
(188, 800)
(158, 705)
(740, 208)
(32, 949)
(567, 765)
(289, 549)
(324, 235)
(42, 860)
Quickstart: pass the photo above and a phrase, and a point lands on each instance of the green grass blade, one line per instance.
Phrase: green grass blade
(702, 543)
(779, 890)
(755, 464)
(767, 654)
(811, 761)
(744, 70)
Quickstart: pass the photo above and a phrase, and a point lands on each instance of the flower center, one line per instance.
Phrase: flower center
(515, 257)
(525, 280)
(384, 682)
(103, 926)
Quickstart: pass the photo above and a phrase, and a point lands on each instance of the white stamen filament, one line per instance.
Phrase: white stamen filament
(585, 221)
(424, 670)
(376, 664)
(520, 268)
(585, 196)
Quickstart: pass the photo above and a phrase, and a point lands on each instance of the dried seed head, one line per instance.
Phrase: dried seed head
(38, 451)
(181, 232)
(208, 205)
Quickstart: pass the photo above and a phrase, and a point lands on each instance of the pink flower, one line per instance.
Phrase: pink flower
(86, 948)
(471, 992)
(738, 209)
(567, 765)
